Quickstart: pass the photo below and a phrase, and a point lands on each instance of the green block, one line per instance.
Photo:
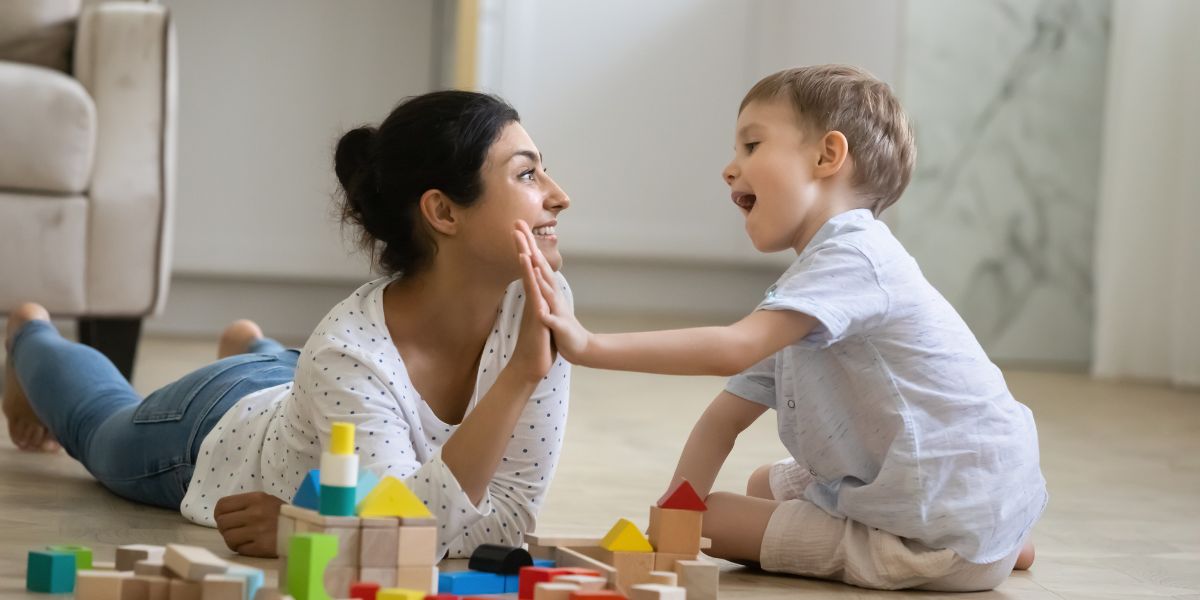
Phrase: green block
(83, 555)
(308, 555)
(50, 572)
(337, 501)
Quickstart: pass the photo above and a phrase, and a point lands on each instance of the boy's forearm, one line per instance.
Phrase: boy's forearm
(703, 456)
(698, 351)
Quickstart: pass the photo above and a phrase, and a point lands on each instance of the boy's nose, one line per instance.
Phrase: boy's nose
(729, 173)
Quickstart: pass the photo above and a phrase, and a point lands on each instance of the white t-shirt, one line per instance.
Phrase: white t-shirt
(350, 371)
(891, 403)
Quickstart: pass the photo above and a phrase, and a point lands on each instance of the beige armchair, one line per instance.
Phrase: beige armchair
(87, 110)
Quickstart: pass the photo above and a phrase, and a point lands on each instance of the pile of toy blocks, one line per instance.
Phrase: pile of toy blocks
(665, 566)
(142, 572)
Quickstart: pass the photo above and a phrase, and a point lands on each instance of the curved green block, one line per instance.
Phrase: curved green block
(308, 555)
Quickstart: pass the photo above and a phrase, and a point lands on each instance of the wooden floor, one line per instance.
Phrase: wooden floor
(1122, 461)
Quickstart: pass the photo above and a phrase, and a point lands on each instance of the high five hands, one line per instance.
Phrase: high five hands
(551, 306)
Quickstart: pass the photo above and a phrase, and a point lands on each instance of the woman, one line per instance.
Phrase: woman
(452, 385)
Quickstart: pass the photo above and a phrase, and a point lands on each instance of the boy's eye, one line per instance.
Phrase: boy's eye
(750, 146)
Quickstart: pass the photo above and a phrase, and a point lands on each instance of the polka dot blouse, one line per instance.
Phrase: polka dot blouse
(350, 371)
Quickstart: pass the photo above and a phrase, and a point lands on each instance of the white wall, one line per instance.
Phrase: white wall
(633, 104)
(266, 88)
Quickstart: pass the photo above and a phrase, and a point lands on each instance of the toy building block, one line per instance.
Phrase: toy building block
(284, 529)
(700, 578)
(597, 595)
(573, 561)
(541, 547)
(463, 583)
(271, 594)
(253, 577)
(101, 585)
(192, 562)
(543, 562)
(337, 579)
(104, 565)
(151, 566)
(223, 587)
(584, 582)
(417, 546)
(379, 545)
(83, 555)
(496, 558)
(418, 578)
(307, 559)
(550, 590)
(531, 576)
(400, 594)
(128, 555)
(364, 590)
(682, 496)
(186, 589)
(367, 480)
(625, 537)
(50, 572)
(632, 568)
(349, 545)
(664, 577)
(657, 591)
(384, 576)
(339, 473)
(512, 583)
(391, 498)
(441, 597)
(308, 495)
(157, 587)
(675, 531)
(666, 562)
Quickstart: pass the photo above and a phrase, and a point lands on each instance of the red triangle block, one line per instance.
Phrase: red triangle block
(682, 497)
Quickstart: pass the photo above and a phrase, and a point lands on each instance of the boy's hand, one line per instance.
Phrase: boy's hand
(248, 522)
(570, 337)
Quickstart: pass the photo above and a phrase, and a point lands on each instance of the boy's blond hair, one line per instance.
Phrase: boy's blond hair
(850, 100)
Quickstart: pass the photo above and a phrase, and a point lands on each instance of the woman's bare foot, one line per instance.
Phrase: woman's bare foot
(237, 337)
(26, 430)
(1025, 558)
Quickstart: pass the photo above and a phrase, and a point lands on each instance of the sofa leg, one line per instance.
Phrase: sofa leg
(115, 338)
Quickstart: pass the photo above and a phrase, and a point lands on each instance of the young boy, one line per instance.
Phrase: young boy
(911, 465)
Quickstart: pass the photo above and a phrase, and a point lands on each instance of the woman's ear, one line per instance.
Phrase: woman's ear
(440, 212)
(834, 151)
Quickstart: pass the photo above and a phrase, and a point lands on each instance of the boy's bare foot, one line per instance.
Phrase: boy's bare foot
(237, 337)
(1025, 558)
(26, 430)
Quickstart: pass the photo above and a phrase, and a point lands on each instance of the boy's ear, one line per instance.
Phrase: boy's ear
(440, 212)
(834, 151)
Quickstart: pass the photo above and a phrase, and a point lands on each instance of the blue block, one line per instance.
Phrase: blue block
(50, 572)
(512, 584)
(308, 495)
(253, 577)
(549, 564)
(465, 583)
(367, 481)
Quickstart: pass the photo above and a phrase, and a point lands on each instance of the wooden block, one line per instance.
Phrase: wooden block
(151, 566)
(666, 562)
(400, 594)
(385, 577)
(223, 587)
(192, 562)
(418, 578)
(542, 552)
(700, 578)
(535, 539)
(584, 582)
(675, 531)
(349, 540)
(682, 496)
(551, 590)
(625, 537)
(267, 593)
(574, 557)
(596, 595)
(186, 589)
(104, 565)
(137, 589)
(338, 580)
(128, 555)
(100, 585)
(284, 529)
(498, 558)
(632, 568)
(655, 591)
(417, 546)
(157, 587)
(312, 517)
(379, 547)
(664, 577)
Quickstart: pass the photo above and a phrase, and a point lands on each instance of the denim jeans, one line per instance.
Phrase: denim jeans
(143, 450)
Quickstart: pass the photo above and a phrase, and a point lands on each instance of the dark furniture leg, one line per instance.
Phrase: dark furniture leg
(116, 338)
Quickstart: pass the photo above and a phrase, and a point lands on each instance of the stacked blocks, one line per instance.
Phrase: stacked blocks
(492, 569)
(178, 571)
(339, 473)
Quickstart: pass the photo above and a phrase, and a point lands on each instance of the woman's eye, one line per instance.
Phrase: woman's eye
(527, 175)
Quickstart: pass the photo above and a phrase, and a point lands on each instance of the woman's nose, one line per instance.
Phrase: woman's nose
(557, 200)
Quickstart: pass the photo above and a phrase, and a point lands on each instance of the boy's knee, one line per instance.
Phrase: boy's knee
(759, 484)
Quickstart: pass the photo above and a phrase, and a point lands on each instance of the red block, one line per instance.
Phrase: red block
(531, 576)
(683, 497)
(365, 590)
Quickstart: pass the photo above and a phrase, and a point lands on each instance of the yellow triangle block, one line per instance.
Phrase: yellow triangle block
(391, 498)
(625, 537)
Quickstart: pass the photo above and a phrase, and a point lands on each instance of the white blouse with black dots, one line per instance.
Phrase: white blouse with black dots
(350, 371)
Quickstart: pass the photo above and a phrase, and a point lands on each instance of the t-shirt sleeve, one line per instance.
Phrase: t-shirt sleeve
(837, 285)
(756, 384)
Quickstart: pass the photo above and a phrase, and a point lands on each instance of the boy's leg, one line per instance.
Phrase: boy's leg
(736, 525)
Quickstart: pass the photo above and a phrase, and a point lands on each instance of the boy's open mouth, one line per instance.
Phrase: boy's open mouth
(744, 201)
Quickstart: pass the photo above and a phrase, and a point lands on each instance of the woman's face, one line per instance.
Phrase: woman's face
(515, 186)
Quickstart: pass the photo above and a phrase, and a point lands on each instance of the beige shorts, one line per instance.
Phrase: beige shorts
(803, 539)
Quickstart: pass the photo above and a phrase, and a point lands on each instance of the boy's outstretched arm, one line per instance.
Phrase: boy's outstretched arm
(725, 351)
(712, 439)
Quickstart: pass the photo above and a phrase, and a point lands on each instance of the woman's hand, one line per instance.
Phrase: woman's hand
(248, 522)
(570, 337)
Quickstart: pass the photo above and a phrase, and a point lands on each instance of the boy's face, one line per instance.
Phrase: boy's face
(771, 176)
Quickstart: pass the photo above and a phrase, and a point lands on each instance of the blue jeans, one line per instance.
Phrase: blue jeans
(143, 450)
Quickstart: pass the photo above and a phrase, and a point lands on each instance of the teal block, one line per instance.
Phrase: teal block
(366, 482)
(83, 555)
(337, 501)
(50, 572)
(308, 495)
